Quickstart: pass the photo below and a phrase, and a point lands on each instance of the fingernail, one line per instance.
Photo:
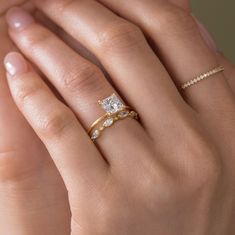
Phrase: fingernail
(15, 64)
(18, 19)
(206, 35)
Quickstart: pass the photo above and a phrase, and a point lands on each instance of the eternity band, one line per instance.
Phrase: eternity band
(109, 121)
(202, 77)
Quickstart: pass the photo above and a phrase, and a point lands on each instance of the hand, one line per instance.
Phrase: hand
(184, 4)
(173, 174)
(33, 199)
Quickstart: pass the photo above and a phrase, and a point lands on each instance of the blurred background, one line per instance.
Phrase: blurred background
(219, 17)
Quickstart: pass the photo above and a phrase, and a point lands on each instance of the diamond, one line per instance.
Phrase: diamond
(134, 114)
(95, 135)
(108, 122)
(123, 114)
(112, 104)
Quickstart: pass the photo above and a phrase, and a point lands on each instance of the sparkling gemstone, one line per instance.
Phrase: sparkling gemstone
(134, 114)
(108, 122)
(95, 134)
(123, 114)
(112, 104)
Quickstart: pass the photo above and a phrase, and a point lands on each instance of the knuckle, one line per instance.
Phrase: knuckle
(119, 35)
(10, 168)
(83, 78)
(174, 20)
(200, 164)
(56, 123)
(24, 93)
(61, 5)
(205, 168)
(13, 169)
(35, 37)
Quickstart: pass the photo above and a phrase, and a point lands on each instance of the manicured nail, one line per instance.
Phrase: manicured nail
(15, 64)
(18, 19)
(206, 35)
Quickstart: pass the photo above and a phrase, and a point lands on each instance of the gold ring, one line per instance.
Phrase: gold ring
(105, 116)
(202, 77)
(115, 111)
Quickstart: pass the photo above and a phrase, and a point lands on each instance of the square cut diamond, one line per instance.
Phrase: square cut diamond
(112, 104)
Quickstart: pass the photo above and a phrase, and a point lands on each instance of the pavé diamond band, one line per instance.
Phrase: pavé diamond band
(115, 111)
(202, 77)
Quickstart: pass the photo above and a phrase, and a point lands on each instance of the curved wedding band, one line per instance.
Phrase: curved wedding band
(115, 111)
(202, 77)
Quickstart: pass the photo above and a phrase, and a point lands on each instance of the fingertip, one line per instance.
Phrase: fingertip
(15, 64)
(18, 18)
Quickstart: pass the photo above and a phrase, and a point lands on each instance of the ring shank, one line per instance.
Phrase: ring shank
(202, 77)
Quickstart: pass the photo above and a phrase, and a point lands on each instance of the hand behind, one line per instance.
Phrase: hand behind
(33, 199)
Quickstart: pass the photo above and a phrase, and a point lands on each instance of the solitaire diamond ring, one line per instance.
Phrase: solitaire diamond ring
(115, 111)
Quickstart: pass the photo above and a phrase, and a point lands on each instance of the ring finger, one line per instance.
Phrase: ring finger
(79, 81)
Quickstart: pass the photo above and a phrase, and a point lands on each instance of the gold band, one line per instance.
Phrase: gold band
(105, 116)
(109, 120)
(202, 77)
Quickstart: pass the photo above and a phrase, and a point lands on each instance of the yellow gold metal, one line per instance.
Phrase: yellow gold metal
(97, 122)
(115, 117)
(202, 77)
(104, 117)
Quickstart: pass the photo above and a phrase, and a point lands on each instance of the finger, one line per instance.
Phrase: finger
(68, 39)
(77, 159)
(125, 54)
(229, 70)
(184, 52)
(27, 199)
(182, 3)
(80, 83)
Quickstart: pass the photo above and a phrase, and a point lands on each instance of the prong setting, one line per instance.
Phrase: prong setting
(112, 104)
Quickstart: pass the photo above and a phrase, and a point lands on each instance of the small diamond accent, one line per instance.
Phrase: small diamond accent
(108, 122)
(95, 134)
(123, 114)
(134, 114)
(112, 104)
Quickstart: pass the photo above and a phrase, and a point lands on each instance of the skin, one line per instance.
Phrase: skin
(181, 179)
(31, 189)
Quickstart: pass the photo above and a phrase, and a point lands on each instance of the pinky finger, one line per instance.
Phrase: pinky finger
(75, 156)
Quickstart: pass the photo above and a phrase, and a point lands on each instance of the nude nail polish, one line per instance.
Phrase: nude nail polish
(18, 19)
(15, 64)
